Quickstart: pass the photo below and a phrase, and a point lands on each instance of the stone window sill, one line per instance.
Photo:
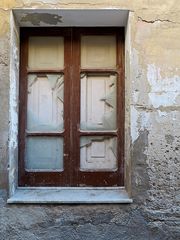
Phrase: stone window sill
(60, 195)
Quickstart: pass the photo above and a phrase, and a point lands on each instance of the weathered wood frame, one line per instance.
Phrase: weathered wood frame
(71, 176)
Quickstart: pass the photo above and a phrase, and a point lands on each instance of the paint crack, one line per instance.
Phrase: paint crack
(156, 20)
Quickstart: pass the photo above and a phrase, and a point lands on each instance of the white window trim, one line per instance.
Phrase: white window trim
(100, 17)
(70, 195)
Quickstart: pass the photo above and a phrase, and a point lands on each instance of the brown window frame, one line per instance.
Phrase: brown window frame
(71, 175)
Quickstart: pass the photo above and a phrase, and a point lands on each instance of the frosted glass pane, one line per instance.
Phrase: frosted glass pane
(46, 52)
(98, 153)
(98, 51)
(98, 102)
(44, 153)
(45, 103)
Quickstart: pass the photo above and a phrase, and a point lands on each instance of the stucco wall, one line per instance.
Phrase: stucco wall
(153, 124)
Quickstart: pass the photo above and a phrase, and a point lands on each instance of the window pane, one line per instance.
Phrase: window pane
(98, 102)
(98, 153)
(46, 52)
(45, 102)
(44, 153)
(98, 51)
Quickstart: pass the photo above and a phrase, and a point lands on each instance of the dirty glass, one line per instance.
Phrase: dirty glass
(46, 53)
(98, 51)
(45, 102)
(44, 153)
(98, 102)
(98, 153)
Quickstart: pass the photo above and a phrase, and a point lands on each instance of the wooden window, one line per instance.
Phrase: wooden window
(71, 113)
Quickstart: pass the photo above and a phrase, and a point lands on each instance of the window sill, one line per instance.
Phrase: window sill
(71, 195)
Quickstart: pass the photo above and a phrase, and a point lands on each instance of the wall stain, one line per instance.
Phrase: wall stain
(36, 18)
(140, 176)
(169, 138)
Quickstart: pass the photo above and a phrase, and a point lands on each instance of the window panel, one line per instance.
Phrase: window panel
(98, 51)
(46, 52)
(45, 102)
(98, 153)
(73, 81)
(44, 153)
(98, 102)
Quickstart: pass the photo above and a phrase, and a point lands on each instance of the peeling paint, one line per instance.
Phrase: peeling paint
(36, 18)
(164, 92)
(139, 122)
(163, 99)
(159, 84)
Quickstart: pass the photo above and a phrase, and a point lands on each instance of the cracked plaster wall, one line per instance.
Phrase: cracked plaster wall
(152, 133)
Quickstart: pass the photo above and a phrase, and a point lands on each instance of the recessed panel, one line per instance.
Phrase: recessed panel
(45, 103)
(98, 102)
(98, 51)
(44, 153)
(98, 153)
(46, 53)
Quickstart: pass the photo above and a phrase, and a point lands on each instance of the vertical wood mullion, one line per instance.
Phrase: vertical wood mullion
(75, 106)
(72, 106)
(67, 91)
(120, 105)
(22, 108)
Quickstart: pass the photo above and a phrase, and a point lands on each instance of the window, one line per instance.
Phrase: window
(71, 113)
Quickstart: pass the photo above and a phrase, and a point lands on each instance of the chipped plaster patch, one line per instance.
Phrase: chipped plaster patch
(168, 118)
(164, 99)
(37, 18)
(134, 124)
(164, 91)
(139, 121)
(159, 84)
(135, 96)
(161, 114)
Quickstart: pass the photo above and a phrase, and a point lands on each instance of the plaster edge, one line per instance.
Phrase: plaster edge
(13, 106)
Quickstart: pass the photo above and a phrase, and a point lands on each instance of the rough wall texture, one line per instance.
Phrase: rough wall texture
(153, 109)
